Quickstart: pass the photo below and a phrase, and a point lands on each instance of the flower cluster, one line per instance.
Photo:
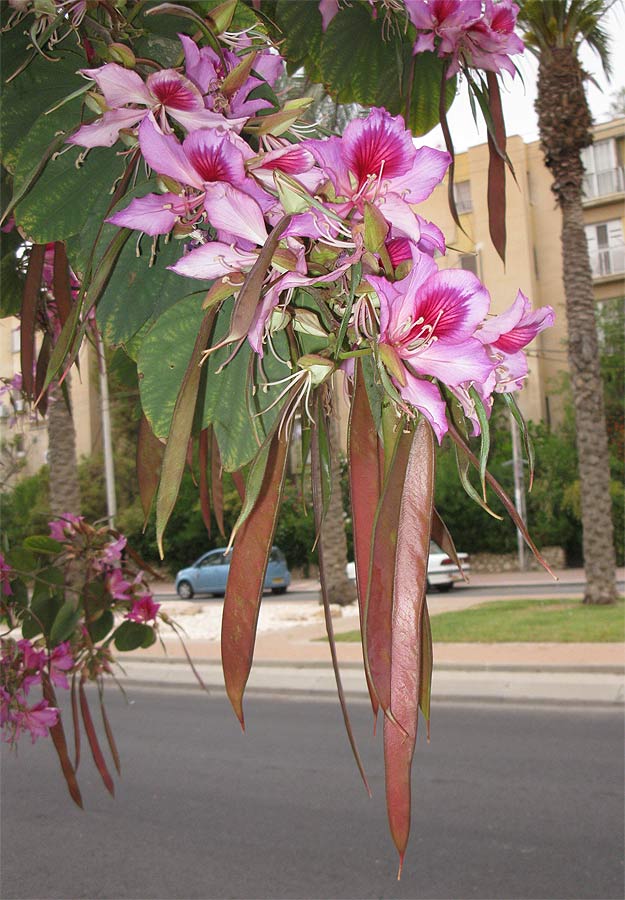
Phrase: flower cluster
(477, 34)
(335, 204)
(83, 595)
(24, 665)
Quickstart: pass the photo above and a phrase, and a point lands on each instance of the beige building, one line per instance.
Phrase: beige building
(533, 256)
(23, 433)
(533, 264)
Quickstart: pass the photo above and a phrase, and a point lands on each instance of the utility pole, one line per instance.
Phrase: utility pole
(519, 489)
(107, 441)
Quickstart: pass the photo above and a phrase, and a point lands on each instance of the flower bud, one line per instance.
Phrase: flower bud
(120, 53)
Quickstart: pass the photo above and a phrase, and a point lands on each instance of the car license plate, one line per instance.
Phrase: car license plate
(277, 580)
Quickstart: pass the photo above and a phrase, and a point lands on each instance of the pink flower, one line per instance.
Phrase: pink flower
(36, 719)
(65, 526)
(165, 93)
(206, 70)
(427, 328)
(112, 552)
(376, 156)
(505, 336)
(143, 610)
(31, 664)
(5, 577)
(481, 39)
(117, 585)
(59, 662)
(205, 158)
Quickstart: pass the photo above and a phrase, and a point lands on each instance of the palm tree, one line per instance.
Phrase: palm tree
(554, 32)
(64, 486)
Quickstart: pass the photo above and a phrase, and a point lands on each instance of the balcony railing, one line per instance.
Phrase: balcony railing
(601, 184)
(609, 261)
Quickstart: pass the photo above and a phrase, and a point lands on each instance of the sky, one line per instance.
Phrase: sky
(518, 98)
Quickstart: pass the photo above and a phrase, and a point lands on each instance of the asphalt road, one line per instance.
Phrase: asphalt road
(509, 803)
(501, 592)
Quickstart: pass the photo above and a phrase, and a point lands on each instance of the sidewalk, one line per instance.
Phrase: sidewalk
(296, 659)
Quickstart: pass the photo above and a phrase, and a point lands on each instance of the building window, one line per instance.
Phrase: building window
(606, 248)
(462, 196)
(15, 340)
(603, 175)
(468, 262)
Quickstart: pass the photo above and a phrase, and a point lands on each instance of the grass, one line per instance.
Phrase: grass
(527, 621)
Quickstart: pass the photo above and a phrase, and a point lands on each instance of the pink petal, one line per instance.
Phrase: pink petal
(165, 155)
(105, 131)
(427, 171)
(453, 363)
(400, 216)
(152, 214)
(328, 10)
(215, 156)
(119, 85)
(426, 397)
(456, 301)
(206, 118)
(231, 210)
(329, 156)
(213, 261)
(173, 91)
(378, 145)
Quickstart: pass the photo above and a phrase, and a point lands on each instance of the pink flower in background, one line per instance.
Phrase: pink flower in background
(36, 719)
(113, 551)
(483, 39)
(204, 67)
(65, 526)
(505, 336)
(117, 586)
(143, 610)
(60, 661)
(427, 328)
(5, 577)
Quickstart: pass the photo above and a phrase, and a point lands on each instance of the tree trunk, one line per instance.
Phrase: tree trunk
(64, 486)
(564, 122)
(340, 589)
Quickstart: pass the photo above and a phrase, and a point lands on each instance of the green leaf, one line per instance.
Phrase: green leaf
(132, 635)
(39, 543)
(19, 597)
(34, 91)
(101, 627)
(176, 448)
(139, 293)
(65, 623)
(62, 200)
(42, 612)
(366, 60)
(163, 360)
(240, 430)
(21, 560)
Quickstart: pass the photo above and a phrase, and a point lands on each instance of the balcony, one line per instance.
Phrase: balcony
(603, 184)
(608, 261)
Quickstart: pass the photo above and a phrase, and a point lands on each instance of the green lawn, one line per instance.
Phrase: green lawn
(534, 621)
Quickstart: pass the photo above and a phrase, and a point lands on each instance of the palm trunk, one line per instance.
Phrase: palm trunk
(64, 486)
(340, 589)
(564, 122)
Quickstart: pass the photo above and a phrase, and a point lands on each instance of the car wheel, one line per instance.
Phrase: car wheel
(444, 588)
(281, 590)
(185, 591)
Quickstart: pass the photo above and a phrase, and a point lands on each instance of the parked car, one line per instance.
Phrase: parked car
(209, 574)
(442, 570)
